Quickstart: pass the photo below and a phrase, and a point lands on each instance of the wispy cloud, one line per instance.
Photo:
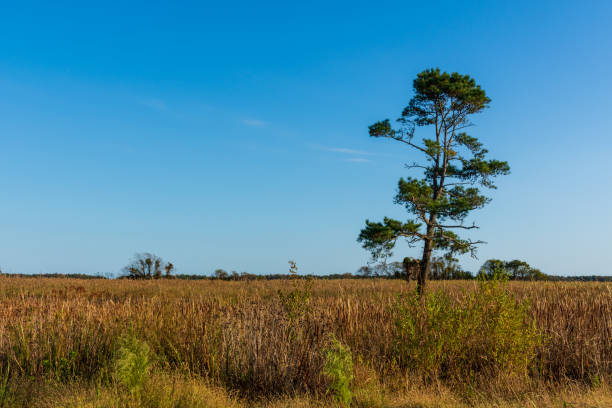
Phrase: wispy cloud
(254, 122)
(358, 160)
(155, 104)
(343, 150)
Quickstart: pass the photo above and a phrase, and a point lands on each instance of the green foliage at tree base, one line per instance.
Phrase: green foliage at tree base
(487, 332)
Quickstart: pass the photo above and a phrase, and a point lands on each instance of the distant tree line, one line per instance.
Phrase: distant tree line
(57, 275)
(441, 268)
(149, 266)
(257, 277)
(448, 268)
(514, 270)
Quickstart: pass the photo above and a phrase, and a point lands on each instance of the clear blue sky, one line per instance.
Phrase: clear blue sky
(236, 136)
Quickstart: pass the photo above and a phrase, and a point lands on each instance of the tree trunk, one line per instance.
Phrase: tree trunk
(425, 260)
(424, 268)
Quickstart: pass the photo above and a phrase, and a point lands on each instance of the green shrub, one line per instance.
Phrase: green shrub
(424, 330)
(296, 302)
(338, 369)
(132, 363)
(484, 333)
(62, 368)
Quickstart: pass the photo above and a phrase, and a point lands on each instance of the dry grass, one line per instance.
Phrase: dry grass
(238, 335)
(173, 391)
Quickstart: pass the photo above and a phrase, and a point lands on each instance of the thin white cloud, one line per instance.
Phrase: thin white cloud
(254, 122)
(358, 160)
(343, 150)
(155, 104)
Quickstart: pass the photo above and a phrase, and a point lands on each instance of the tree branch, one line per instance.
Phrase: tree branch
(470, 244)
(415, 166)
(458, 226)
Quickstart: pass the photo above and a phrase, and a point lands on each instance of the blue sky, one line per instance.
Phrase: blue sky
(235, 136)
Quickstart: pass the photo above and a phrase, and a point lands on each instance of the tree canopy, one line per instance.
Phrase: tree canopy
(453, 166)
(148, 266)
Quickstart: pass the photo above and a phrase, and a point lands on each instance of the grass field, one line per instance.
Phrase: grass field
(210, 343)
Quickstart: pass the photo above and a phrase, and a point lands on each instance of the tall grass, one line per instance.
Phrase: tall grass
(245, 337)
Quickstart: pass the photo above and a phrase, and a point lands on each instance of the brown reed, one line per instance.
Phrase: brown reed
(238, 334)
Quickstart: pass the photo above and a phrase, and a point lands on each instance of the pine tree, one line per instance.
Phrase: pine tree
(455, 164)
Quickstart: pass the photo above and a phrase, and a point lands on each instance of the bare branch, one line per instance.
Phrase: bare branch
(415, 166)
(458, 226)
(412, 236)
(421, 149)
(459, 183)
(470, 244)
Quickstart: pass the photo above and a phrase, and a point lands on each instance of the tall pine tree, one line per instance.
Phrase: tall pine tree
(455, 164)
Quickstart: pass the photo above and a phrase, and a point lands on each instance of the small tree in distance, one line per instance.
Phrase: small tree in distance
(446, 268)
(514, 270)
(148, 266)
(169, 268)
(455, 162)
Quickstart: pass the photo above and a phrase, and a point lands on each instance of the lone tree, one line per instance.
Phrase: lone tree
(455, 163)
(148, 266)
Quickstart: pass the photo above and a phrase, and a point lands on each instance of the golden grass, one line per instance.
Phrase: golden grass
(161, 391)
(236, 335)
(172, 391)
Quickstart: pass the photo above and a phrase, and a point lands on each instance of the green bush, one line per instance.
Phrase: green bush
(63, 368)
(487, 332)
(338, 369)
(296, 302)
(132, 363)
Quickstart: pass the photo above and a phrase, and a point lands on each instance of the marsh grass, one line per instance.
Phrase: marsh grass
(241, 336)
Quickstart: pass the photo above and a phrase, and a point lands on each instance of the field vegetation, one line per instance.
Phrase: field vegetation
(298, 342)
